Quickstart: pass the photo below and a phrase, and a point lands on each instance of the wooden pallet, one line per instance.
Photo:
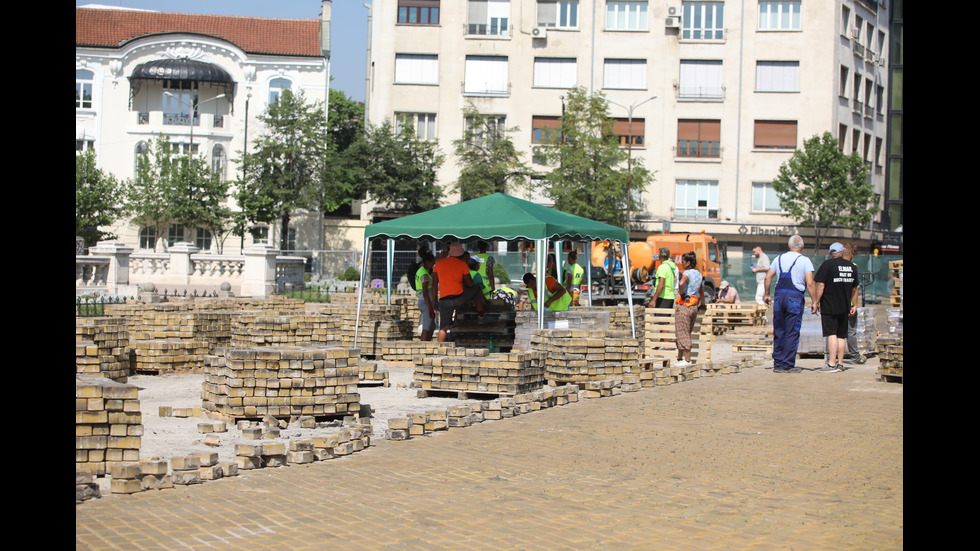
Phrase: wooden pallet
(736, 314)
(752, 346)
(462, 394)
(891, 377)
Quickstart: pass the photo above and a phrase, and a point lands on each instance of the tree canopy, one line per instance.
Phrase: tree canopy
(589, 177)
(98, 199)
(397, 169)
(821, 187)
(489, 163)
(286, 170)
(174, 187)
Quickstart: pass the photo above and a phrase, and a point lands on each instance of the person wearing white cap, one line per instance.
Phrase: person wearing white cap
(728, 294)
(835, 300)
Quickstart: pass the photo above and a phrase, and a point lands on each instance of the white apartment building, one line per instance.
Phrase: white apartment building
(721, 92)
(201, 80)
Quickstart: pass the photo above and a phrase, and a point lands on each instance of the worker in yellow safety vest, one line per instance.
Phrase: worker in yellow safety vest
(557, 299)
(574, 277)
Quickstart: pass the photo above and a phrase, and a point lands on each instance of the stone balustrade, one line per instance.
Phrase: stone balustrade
(114, 268)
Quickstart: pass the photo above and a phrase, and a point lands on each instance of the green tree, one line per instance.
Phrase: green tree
(397, 169)
(821, 187)
(172, 187)
(286, 171)
(590, 177)
(98, 199)
(199, 198)
(148, 194)
(489, 163)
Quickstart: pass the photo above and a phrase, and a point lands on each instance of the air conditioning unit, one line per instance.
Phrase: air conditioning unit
(539, 32)
(674, 11)
(673, 22)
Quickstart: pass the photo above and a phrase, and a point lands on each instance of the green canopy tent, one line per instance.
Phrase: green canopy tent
(494, 217)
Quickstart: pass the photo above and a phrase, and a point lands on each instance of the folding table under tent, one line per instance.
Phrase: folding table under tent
(494, 217)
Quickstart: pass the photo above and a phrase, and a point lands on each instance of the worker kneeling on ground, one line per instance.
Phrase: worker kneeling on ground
(557, 299)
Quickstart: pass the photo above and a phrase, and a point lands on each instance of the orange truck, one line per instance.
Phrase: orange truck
(644, 259)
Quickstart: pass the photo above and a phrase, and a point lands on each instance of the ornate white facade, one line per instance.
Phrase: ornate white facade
(138, 73)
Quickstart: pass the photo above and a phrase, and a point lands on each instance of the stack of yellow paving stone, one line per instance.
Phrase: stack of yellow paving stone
(251, 329)
(578, 356)
(281, 382)
(162, 356)
(369, 374)
(102, 348)
(378, 323)
(476, 370)
(897, 298)
(891, 358)
(406, 351)
(108, 424)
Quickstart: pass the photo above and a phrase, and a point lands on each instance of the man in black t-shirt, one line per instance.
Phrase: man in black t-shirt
(837, 289)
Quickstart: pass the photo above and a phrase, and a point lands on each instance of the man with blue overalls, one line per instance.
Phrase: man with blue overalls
(795, 273)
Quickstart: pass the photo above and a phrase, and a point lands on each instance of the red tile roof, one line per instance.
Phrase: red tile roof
(255, 35)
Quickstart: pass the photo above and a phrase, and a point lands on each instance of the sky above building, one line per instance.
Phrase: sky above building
(348, 41)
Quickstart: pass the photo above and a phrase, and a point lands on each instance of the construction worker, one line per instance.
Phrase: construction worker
(574, 277)
(486, 266)
(557, 299)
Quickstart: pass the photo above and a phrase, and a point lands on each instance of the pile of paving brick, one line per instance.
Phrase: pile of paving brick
(897, 297)
(578, 356)
(659, 375)
(102, 348)
(406, 351)
(890, 347)
(108, 423)
(165, 356)
(476, 370)
(890, 356)
(354, 437)
(421, 424)
(379, 323)
(281, 382)
(258, 329)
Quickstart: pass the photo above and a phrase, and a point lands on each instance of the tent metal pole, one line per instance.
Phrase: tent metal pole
(540, 257)
(360, 290)
(627, 283)
(391, 268)
(588, 268)
(558, 272)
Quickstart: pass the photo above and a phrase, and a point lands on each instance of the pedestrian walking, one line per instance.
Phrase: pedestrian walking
(691, 295)
(836, 284)
(794, 275)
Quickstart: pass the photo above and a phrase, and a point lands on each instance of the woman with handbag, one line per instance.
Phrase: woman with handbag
(691, 295)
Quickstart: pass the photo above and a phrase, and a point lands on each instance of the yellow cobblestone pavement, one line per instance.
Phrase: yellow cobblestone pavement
(751, 460)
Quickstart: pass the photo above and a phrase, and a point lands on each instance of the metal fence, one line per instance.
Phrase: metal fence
(91, 307)
(873, 271)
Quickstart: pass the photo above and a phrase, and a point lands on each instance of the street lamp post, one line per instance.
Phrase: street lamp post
(193, 107)
(629, 154)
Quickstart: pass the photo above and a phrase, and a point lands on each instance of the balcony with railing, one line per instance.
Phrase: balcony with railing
(488, 29)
